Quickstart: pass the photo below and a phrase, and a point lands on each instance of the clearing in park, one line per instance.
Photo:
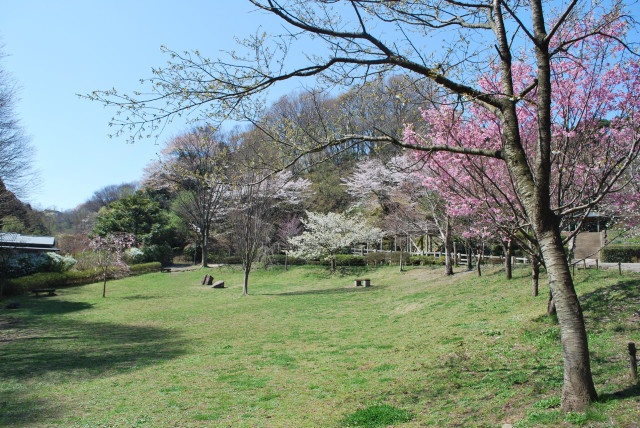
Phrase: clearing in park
(308, 349)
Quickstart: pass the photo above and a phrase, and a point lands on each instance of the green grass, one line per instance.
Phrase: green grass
(307, 349)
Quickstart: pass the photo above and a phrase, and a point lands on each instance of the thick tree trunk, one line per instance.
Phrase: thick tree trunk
(507, 260)
(535, 275)
(333, 264)
(578, 389)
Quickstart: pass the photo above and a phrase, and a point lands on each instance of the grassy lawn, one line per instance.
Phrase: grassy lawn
(307, 349)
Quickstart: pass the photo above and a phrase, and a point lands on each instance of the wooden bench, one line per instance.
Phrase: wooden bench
(49, 291)
(363, 282)
(167, 270)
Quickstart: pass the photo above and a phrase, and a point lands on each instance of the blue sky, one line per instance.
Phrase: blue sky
(57, 49)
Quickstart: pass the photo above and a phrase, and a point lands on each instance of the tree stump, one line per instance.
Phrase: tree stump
(207, 280)
(218, 284)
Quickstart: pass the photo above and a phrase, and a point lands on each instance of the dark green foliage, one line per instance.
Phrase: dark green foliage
(194, 252)
(377, 416)
(139, 215)
(620, 253)
(144, 268)
(158, 253)
(27, 283)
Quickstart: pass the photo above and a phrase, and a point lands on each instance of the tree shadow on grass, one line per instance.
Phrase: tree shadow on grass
(604, 302)
(44, 306)
(612, 308)
(627, 393)
(83, 349)
(18, 410)
(57, 352)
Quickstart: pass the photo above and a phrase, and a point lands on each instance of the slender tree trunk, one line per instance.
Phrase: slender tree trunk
(286, 259)
(479, 269)
(507, 259)
(469, 256)
(535, 275)
(205, 244)
(401, 254)
(104, 284)
(245, 285)
(333, 264)
(448, 266)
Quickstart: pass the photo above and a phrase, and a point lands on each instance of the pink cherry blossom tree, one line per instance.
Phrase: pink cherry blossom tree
(109, 250)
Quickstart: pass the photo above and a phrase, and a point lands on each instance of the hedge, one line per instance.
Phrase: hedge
(25, 284)
(386, 258)
(141, 268)
(278, 259)
(426, 260)
(345, 260)
(231, 260)
(620, 253)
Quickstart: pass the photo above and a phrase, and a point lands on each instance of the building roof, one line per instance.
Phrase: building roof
(15, 241)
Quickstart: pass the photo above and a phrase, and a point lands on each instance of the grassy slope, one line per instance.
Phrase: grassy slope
(308, 349)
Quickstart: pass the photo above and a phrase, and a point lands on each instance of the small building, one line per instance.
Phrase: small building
(27, 244)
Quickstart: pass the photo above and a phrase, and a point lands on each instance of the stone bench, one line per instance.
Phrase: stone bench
(163, 269)
(362, 282)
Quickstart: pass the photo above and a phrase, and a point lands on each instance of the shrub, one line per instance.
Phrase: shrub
(58, 263)
(395, 258)
(346, 260)
(158, 253)
(231, 260)
(133, 256)
(426, 260)
(278, 259)
(375, 258)
(27, 283)
(141, 268)
(620, 253)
